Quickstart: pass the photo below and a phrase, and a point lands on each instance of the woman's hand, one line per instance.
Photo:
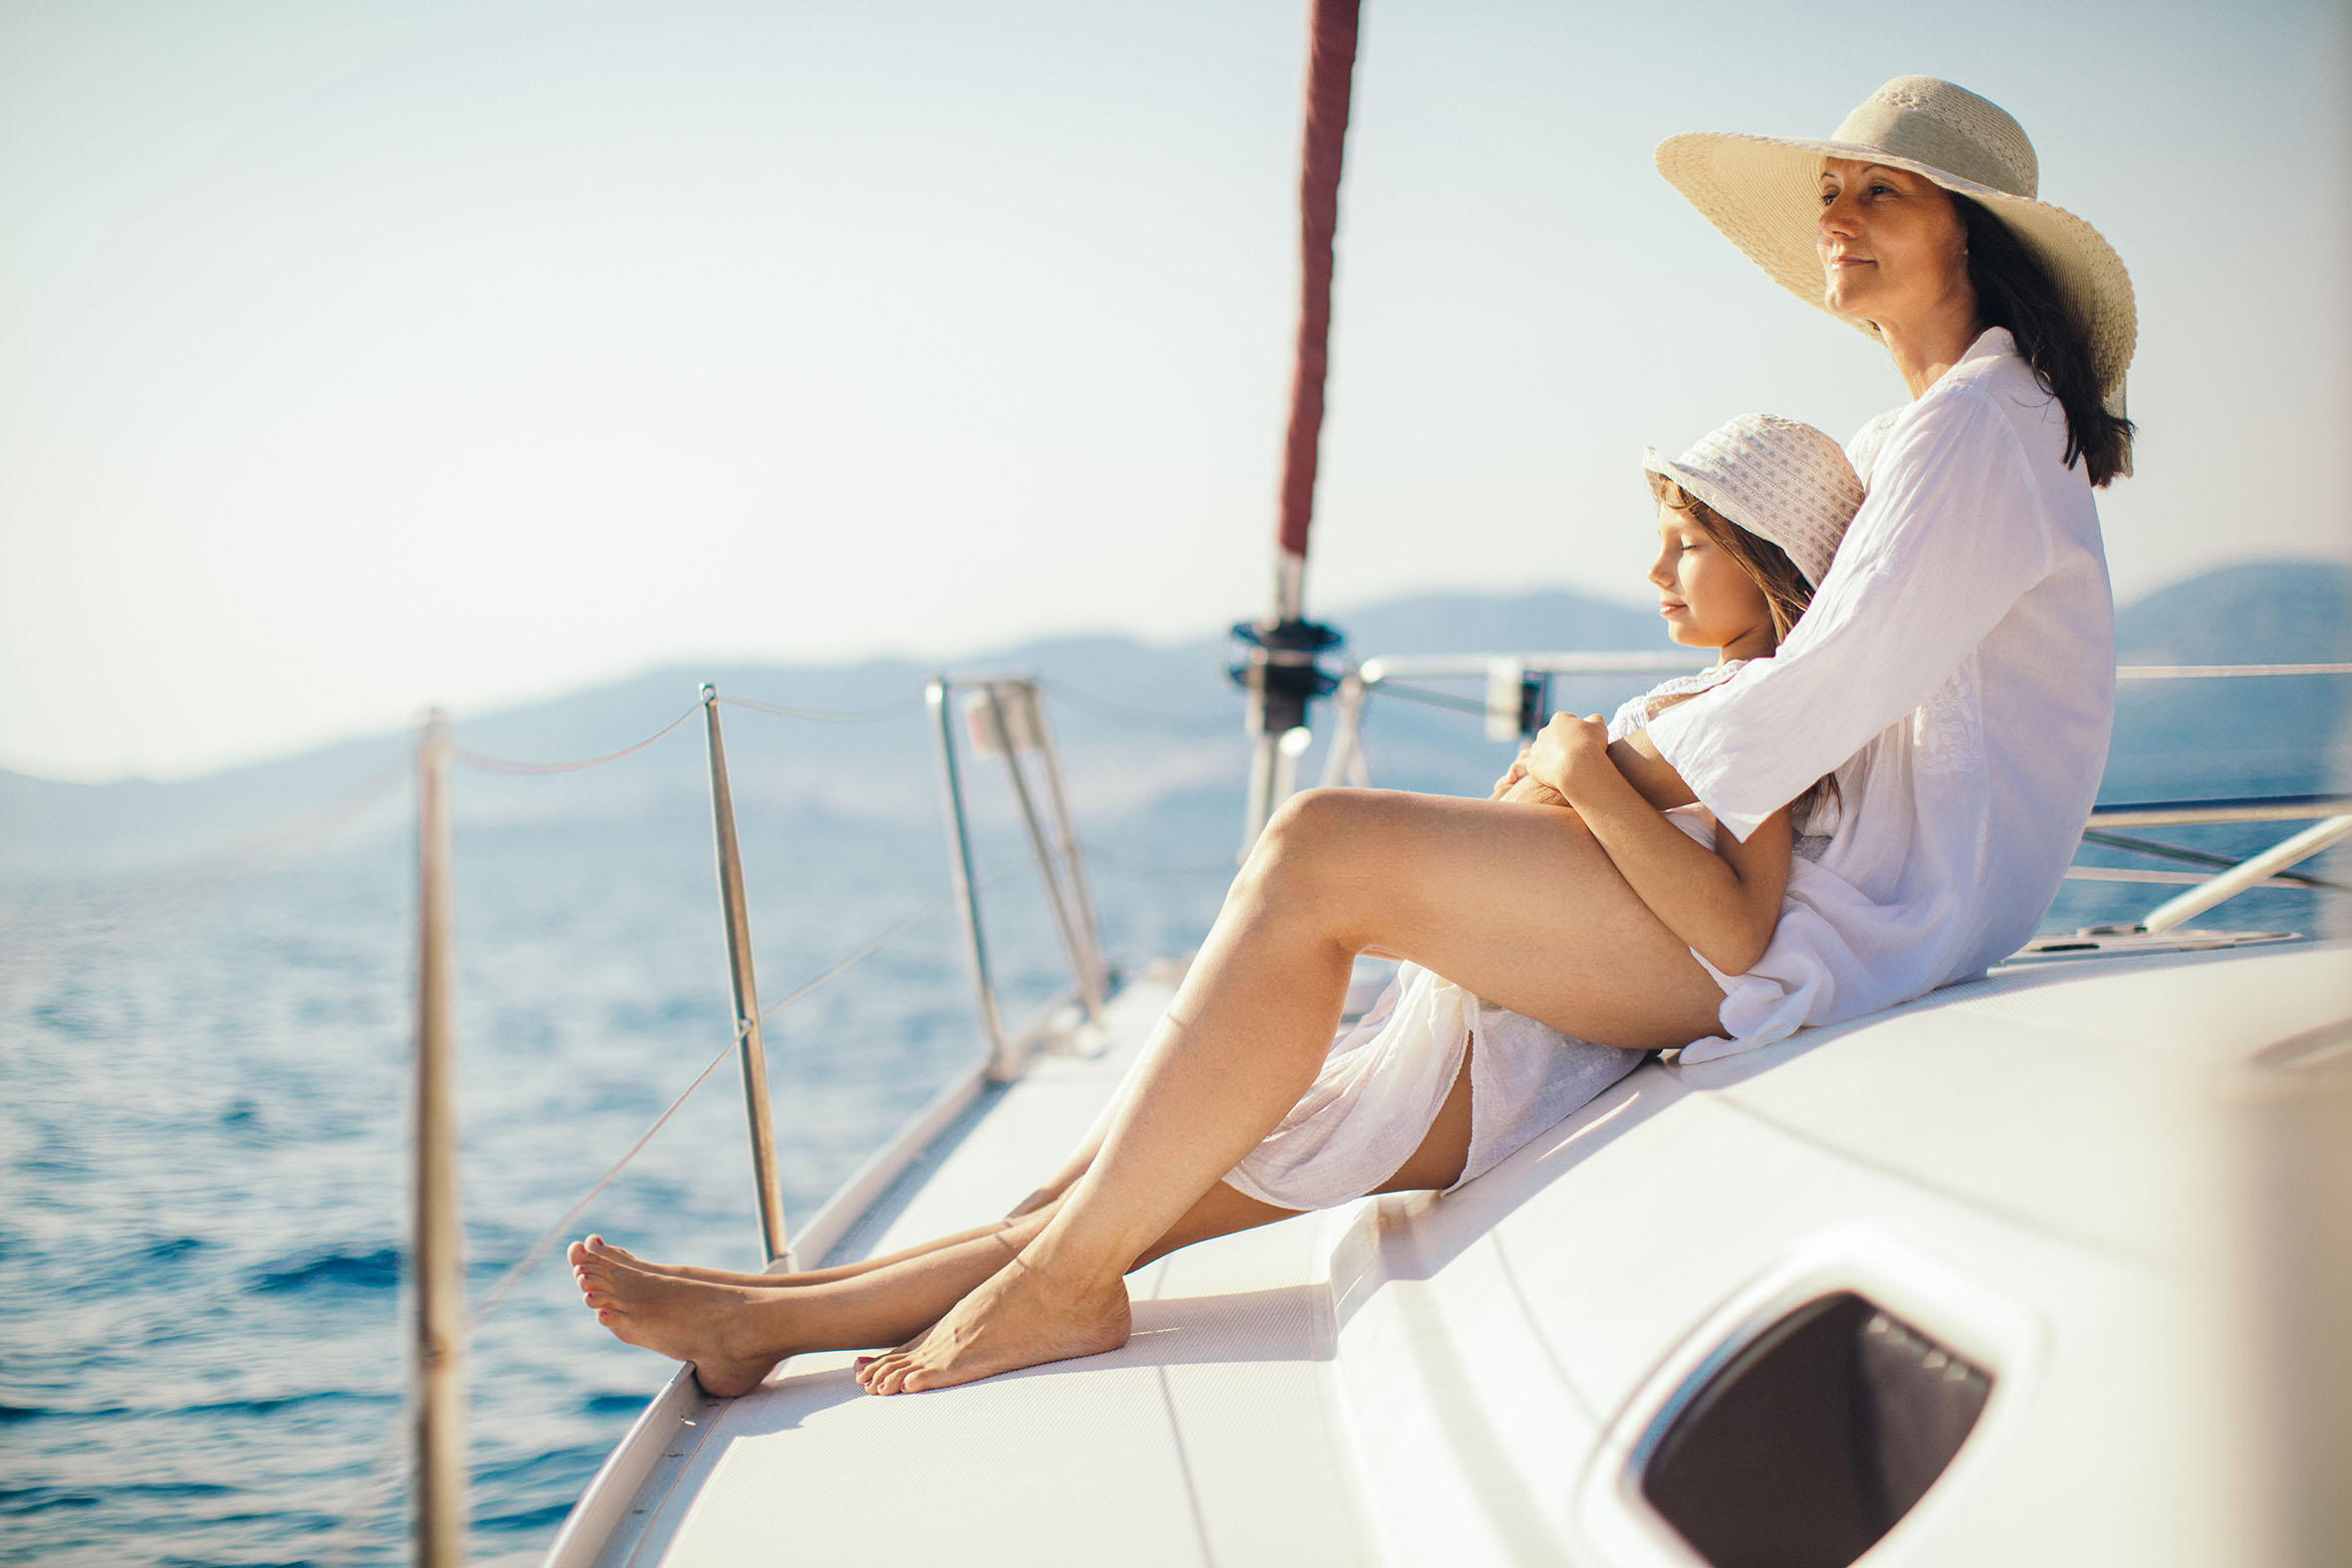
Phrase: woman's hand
(1569, 754)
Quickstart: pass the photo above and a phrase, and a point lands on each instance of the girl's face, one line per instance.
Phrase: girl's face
(1708, 600)
(1893, 250)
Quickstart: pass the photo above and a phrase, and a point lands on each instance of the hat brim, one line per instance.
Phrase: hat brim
(1762, 193)
(1718, 501)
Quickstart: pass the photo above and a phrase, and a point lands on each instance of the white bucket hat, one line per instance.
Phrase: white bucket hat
(1763, 193)
(1779, 479)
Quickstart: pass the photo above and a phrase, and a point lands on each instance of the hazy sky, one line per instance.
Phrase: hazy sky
(359, 355)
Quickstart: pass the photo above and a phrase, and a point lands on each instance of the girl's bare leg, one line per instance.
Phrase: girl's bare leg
(578, 1253)
(1517, 904)
(733, 1334)
(1053, 1186)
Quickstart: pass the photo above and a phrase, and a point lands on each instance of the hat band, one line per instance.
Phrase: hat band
(1923, 139)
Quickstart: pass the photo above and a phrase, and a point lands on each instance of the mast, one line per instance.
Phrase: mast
(1280, 667)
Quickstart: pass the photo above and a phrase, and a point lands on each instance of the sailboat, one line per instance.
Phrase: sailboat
(2049, 1266)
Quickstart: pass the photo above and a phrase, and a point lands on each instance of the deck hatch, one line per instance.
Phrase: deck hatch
(1811, 1443)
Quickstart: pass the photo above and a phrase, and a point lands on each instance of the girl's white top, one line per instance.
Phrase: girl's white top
(1957, 671)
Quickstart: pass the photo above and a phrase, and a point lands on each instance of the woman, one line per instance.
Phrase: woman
(1960, 654)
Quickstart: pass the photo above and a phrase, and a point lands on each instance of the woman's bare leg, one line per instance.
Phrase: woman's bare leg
(1517, 904)
(733, 1334)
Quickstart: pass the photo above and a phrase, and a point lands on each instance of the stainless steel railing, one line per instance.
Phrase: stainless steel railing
(751, 1050)
(1517, 694)
(438, 1346)
(1002, 716)
(1516, 702)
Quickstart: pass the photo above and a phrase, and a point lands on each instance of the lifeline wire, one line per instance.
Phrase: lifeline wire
(2189, 672)
(1433, 699)
(501, 764)
(377, 1482)
(2198, 857)
(554, 1233)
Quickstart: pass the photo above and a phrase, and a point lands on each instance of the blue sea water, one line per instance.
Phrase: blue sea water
(203, 1143)
(203, 1153)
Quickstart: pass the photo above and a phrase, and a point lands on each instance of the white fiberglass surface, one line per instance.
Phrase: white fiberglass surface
(1208, 1439)
(2025, 1168)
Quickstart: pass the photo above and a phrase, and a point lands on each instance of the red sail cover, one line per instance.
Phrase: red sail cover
(1330, 73)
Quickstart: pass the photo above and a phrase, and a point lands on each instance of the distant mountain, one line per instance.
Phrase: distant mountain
(2261, 612)
(1151, 734)
(2205, 739)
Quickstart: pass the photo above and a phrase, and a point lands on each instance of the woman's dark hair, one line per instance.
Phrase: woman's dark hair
(1786, 592)
(2014, 290)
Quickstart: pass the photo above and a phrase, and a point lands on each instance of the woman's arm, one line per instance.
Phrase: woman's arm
(1954, 531)
(1725, 902)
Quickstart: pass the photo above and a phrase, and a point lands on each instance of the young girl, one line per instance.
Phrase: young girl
(1748, 521)
(1436, 1086)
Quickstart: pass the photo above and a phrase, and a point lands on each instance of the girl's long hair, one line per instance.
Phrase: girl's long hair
(2015, 290)
(1786, 592)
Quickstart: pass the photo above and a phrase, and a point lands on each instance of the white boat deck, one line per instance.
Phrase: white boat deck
(1470, 1378)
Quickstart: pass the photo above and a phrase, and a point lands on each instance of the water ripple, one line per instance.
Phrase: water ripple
(332, 1269)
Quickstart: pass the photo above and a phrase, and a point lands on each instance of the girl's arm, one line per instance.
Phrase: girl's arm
(1723, 902)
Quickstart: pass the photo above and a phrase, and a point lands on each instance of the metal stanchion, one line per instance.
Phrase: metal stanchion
(752, 1051)
(440, 1276)
(1011, 709)
(1065, 830)
(959, 870)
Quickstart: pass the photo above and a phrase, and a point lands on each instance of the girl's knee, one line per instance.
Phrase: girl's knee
(1313, 821)
(1304, 838)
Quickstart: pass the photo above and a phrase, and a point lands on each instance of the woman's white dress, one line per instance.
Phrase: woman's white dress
(1956, 670)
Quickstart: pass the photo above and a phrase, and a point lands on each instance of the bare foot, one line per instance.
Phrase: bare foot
(1013, 1319)
(706, 1325)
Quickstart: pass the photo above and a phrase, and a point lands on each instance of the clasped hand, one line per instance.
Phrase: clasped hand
(1558, 764)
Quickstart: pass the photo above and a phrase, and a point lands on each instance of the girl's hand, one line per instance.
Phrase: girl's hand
(1511, 776)
(1568, 753)
(1532, 791)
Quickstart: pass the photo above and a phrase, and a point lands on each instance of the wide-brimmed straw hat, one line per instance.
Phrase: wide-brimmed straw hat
(1763, 193)
(1779, 479)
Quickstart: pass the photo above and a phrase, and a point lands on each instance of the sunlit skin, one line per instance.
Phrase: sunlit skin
(1894, 253)
(1708, 600)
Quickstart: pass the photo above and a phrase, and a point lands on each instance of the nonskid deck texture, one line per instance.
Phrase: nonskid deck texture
(2038, 1169)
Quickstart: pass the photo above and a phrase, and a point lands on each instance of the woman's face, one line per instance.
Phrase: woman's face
(1705, 597)
(1892, 246)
